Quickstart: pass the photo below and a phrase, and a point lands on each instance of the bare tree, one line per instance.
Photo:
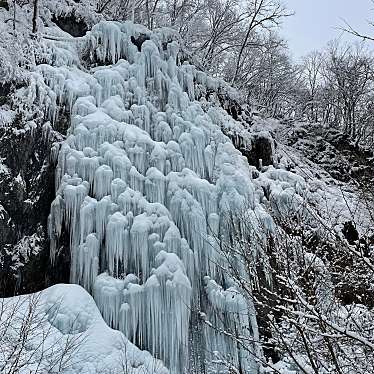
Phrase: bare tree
(351, 30)
(348, 71)
(29, 341)
(267, 77)
(311, 73)
(263, 14)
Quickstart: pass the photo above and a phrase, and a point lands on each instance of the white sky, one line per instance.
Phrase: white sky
(316, 21)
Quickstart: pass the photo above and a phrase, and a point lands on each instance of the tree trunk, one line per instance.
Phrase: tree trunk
(35, 16)
(14, 16)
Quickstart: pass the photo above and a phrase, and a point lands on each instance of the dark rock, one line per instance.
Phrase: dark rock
(336, 153)
(4, 4)
(71, 24)
(5, 88)
(350, 233)
(230, 105)
(139, 41)
(26, 192)
(262, 149)
(6, 225)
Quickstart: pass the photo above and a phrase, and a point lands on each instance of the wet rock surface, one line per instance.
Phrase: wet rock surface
(26, 191)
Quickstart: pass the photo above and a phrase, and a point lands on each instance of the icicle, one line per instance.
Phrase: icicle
(73, 197)
(87, 217)
(141, 113)
(88, 167)
(136, 180)
(88, 262)
(117, 187)
(151, 55)
(110, 83)
(139, 244)
(130, 201)
(55, 220)
(111, 37)
(121, 167)
(102, 212)
(173, 339)
(117, 244)
(108, 294)
(229, 310)
(188, 80)
(158, 157)
(102, 182)
(163, 132)
(190, 219)
(132, 313)
(175, 99)
(155, 186)
(138, 157)
(177, 161)
(84, 106)
(175, 244)
(163, 306)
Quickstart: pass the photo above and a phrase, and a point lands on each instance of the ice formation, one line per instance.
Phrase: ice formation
(144, 183)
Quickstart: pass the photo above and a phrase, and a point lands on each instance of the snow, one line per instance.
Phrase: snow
(6, 116)
(147, 181)
(307, 185)
(66, 319)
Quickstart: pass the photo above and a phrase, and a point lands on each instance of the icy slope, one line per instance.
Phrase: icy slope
(65, 332)
(146, 185)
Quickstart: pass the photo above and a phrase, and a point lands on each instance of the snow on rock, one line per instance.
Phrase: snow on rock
(312, 189)
(145, 183)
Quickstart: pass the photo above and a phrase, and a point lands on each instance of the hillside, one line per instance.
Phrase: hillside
(129, 171)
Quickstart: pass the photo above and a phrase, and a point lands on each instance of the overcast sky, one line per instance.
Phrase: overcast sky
(315, 22)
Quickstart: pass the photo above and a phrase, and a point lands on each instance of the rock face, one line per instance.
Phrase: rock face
(26, 192)
(333, 151)
(71, 24)
(137, 201)
(4, 4)
(27, 188)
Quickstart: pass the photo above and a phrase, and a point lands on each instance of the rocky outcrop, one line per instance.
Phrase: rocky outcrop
(262, 150)
(26, 191)
(71, 24)
(334, 152)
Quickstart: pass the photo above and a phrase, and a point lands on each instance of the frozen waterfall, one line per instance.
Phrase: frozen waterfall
(142, 180)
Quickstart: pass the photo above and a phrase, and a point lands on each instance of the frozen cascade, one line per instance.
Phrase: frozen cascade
(229, 302)
(144, 182)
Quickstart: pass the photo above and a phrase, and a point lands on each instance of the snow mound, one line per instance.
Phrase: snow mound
(66, 334)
